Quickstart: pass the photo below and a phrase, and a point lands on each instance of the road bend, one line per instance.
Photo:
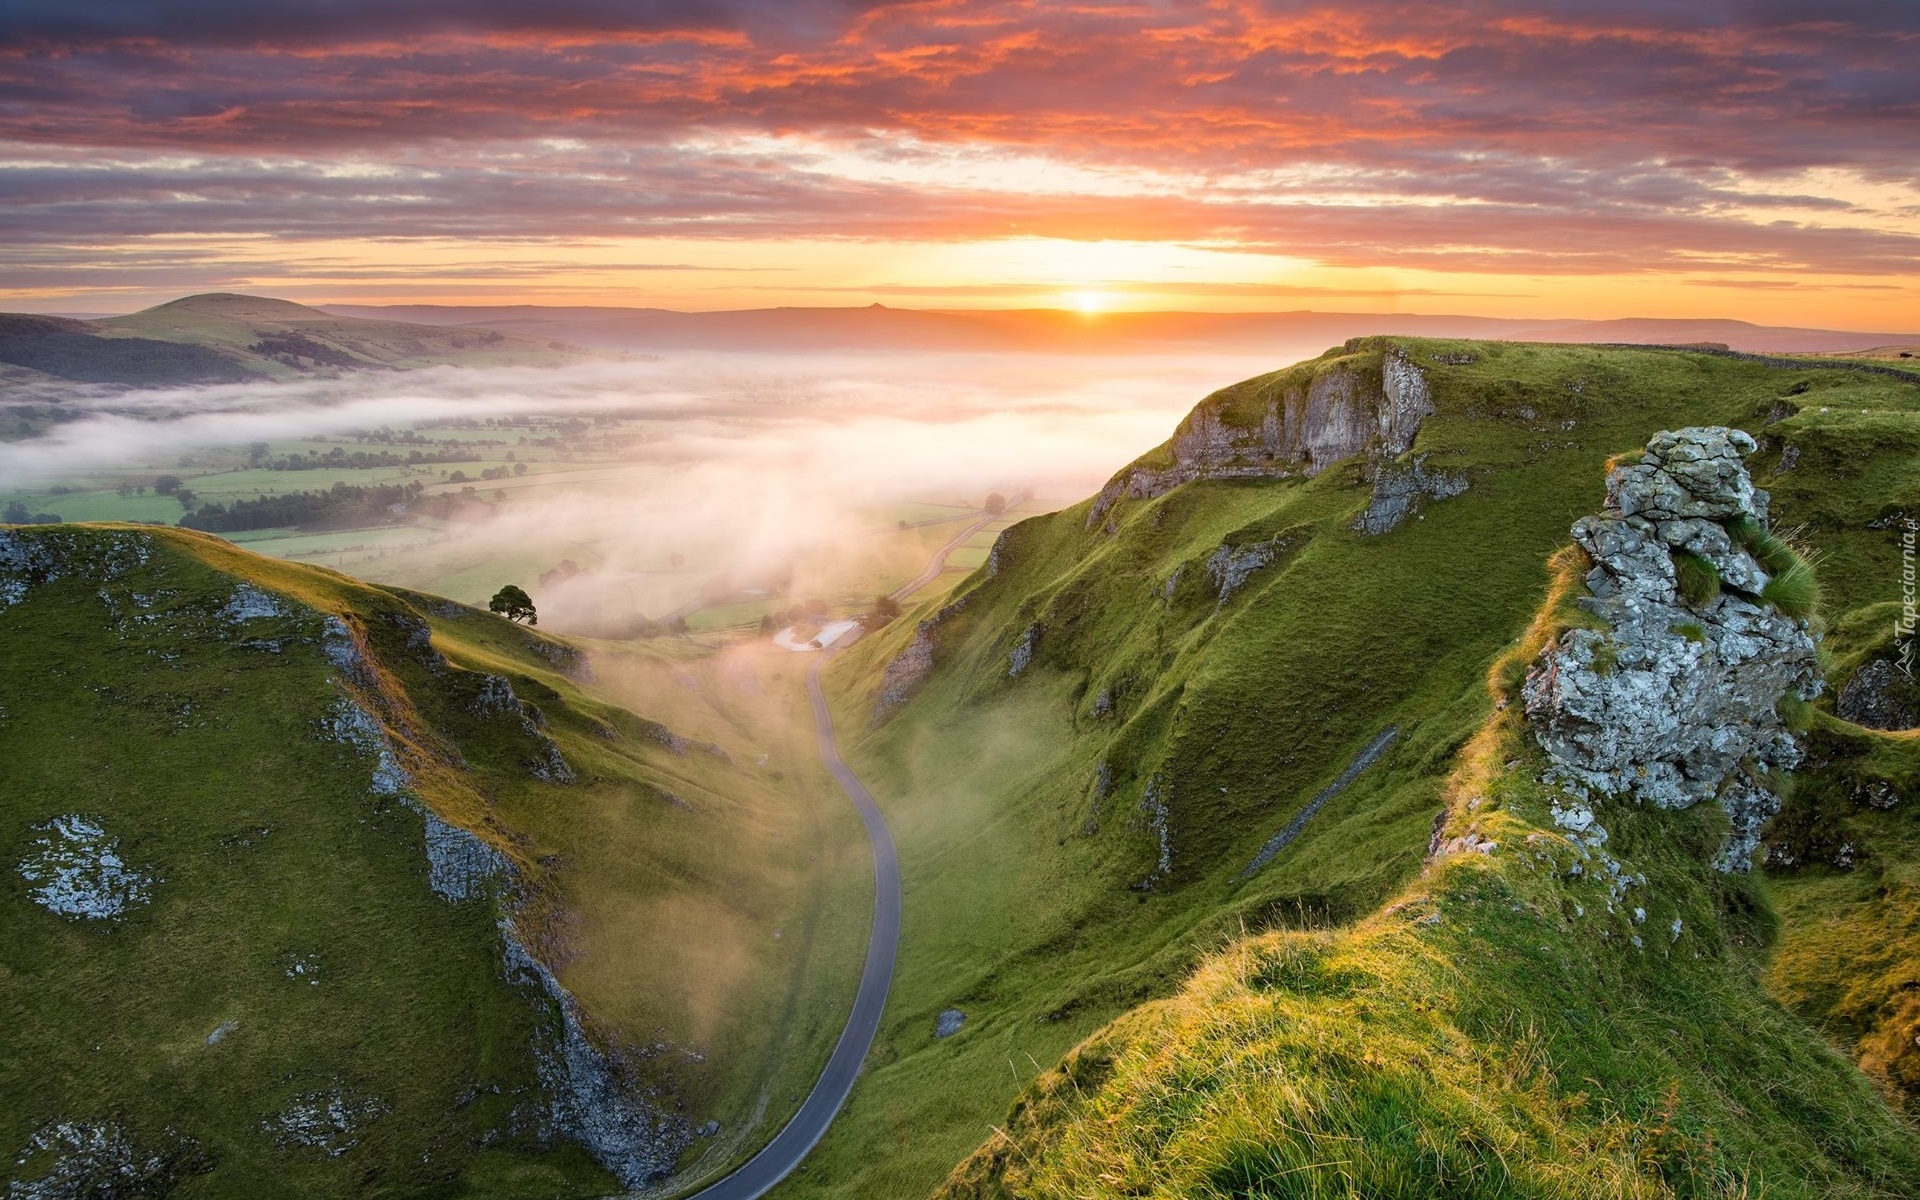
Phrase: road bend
(790, 1147)
(778, 1158)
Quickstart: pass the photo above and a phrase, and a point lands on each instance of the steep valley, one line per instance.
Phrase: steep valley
(366, 892)
(1443, 767)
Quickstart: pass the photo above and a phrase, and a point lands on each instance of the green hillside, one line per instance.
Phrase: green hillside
(363, 892)
(1234, 864)
(38, 350)
(226, 338)
(1185, 745)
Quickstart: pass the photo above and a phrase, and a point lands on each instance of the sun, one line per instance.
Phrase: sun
(1088, 302)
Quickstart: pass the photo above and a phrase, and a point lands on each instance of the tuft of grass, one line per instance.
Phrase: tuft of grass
(1795, 591)
(1797, 713)
(1693, 631)
(1793, 588)
(1696, 578)
(1773, 552)
(1606, 658)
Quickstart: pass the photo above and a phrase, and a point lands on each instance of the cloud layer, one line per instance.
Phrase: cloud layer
(1481, 136)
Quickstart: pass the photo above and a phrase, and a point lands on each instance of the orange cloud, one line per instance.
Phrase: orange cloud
(1546, 137)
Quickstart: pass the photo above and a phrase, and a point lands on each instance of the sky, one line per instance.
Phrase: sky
(1757, 159)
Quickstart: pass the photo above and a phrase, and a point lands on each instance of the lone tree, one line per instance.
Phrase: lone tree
(514, 604)
(996, 503)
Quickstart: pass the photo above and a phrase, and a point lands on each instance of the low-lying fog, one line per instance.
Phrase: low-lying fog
(739, 465)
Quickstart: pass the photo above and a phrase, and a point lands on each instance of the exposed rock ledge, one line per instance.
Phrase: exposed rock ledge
(1675, 701)
(910, 668)
(1342, 412)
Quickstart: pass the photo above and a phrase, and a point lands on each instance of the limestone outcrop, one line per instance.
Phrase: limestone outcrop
(1672, 694)
(910, 668)
(1401, 490)
(1341, 412)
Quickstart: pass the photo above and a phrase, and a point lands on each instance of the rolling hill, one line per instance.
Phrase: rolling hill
(1443, 767)
(226, 338)
(877, 327)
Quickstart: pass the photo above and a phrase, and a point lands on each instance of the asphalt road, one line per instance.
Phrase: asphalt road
(790, 1147)
(938, 562)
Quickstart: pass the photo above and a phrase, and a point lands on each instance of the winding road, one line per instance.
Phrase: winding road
(790, 1147)
(938, 562)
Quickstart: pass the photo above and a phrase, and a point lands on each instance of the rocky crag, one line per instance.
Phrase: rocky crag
(910, 668)
(1368, 401)
(1691, 635)
(1351, 407)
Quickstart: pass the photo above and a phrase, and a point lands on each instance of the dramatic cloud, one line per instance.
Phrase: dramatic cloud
(1482, 136)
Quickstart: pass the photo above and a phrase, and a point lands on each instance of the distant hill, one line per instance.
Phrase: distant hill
(228, 338)
(222, 337)
(54, 347)
(877, 327)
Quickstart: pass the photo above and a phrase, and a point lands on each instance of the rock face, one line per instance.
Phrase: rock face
(496, 699)
(1671, 701)
(1229, 567)
(1400, 490)
(1342, 412)
(1021, 656)
(75, 869)
(1881, 695)
(75, 1159)
(910, 668)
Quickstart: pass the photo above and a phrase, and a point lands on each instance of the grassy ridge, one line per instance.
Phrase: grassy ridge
(659, 885)
(1500, 1030)
(225, 338)
(281, 339)
(1025, 804)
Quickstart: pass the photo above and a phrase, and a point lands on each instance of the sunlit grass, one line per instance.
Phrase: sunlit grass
(1249, 707)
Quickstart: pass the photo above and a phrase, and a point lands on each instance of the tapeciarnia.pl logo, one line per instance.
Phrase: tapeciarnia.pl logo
(1903, 625)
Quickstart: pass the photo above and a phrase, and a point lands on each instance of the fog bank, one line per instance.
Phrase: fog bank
(740, 464)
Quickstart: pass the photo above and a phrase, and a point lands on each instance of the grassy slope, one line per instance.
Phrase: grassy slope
(1849, 954)
(232, 324)
(39, 351)
(1018, 904)
(663, 916)
(1501, 1030)
(225, 338)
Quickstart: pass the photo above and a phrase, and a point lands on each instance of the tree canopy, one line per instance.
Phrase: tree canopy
(514, 604)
